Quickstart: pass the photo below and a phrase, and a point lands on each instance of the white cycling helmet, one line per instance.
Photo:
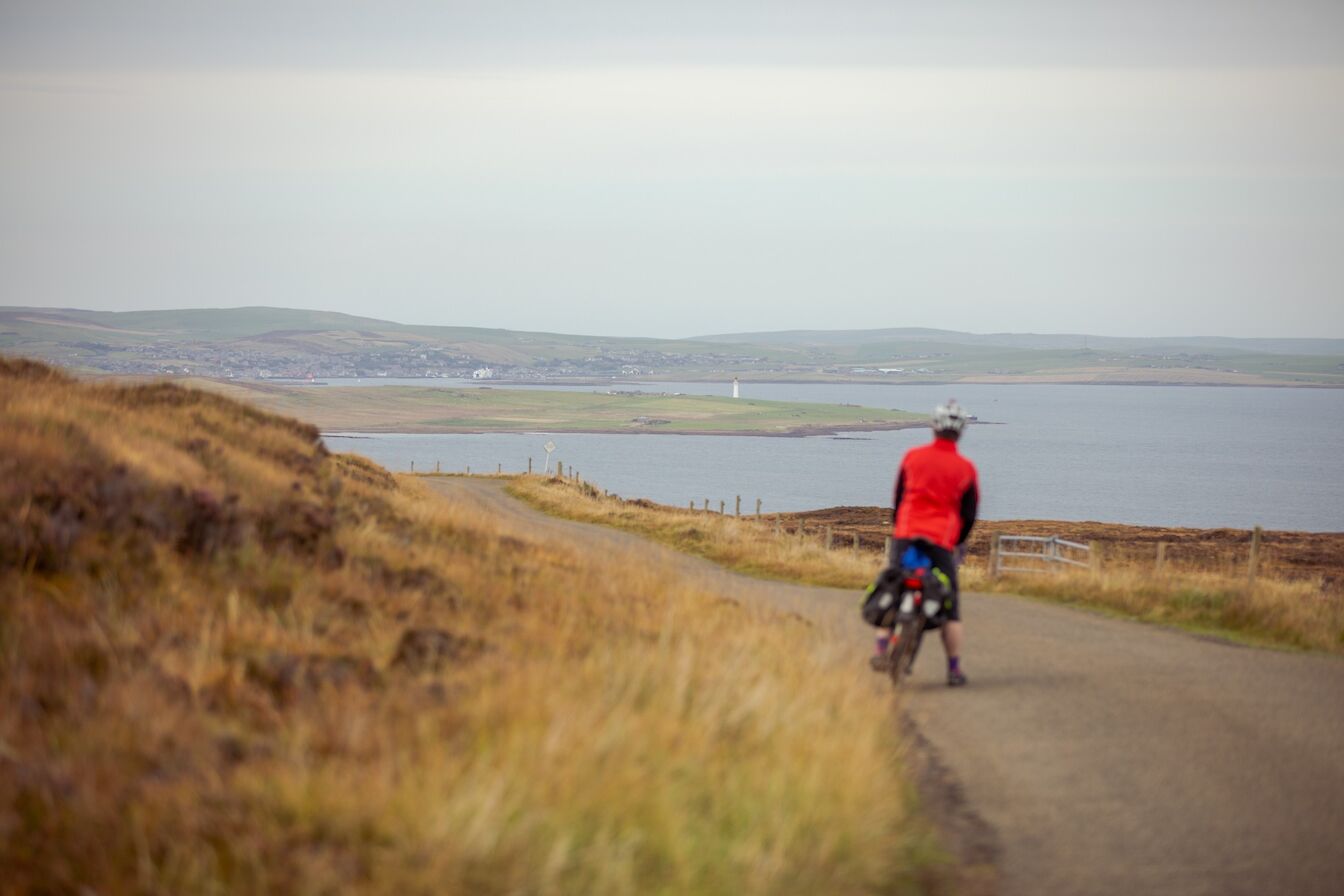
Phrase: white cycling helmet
(949, 418)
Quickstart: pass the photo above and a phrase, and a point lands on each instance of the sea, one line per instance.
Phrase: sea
(1200, 456)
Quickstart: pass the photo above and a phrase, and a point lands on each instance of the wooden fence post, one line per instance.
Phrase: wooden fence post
(706, 505)
(721, 506)
(1255, 552)
(758, 508)
(994, 556)
(856, 544)
(437, 464)
(529, 466)
(692, 505)
(560, 469)
(1094, 554)
(777, 527)
(1161, 557)
(468, 470)
(828, 538)
(886, 549)
(738, 510)
(412, 466)
(499, 468)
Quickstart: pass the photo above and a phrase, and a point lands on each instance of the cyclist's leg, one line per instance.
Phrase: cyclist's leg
(951, 631)
(952, 639)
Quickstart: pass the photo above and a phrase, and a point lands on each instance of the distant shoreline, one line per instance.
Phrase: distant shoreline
(799, 433)
(1016, 381)
(856, 381)
(746, 379)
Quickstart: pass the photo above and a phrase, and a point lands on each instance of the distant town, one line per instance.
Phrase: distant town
(225, 361)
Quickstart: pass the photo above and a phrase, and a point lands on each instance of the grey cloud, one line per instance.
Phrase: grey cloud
(1144, 168)
(150, 33)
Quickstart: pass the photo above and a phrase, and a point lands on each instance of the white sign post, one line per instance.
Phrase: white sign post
(549, 446)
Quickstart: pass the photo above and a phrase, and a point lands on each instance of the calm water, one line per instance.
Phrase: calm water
(1191, 456)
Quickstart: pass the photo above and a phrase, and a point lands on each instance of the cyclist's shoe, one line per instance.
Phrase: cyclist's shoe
(880, 662)
(956, 679)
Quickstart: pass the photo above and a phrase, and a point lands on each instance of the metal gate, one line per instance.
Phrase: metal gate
(1035, 553)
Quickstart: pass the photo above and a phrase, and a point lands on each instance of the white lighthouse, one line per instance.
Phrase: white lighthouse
(736, 391)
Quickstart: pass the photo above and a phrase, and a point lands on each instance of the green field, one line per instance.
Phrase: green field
(416, 409)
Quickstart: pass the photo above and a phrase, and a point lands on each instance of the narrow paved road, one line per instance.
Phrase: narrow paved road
(1105, 756)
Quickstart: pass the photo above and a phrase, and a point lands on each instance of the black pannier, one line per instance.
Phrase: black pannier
(882, 598)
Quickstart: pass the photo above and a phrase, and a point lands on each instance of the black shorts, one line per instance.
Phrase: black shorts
(942, 560)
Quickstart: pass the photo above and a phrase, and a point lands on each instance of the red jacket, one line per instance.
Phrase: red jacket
(936, 495)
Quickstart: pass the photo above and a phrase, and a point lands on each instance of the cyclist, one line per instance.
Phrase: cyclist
(934, 504)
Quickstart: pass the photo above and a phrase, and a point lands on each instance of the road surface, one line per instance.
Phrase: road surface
(1092, 755)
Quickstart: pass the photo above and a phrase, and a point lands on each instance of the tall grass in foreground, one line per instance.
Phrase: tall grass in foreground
(1271, 610)
(231, 662)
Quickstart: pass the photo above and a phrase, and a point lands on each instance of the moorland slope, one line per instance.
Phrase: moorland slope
(232, 662)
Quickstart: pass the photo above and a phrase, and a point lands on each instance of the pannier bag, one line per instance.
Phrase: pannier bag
(879, 602)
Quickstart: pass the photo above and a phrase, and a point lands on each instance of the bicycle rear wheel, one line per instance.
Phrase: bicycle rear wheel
(907, 635)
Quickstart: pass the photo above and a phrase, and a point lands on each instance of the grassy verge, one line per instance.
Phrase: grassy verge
(742, 544)
(1274, 611)
(234, 663)
(1271, 612)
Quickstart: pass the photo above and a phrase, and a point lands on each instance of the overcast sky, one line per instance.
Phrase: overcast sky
(683, 168)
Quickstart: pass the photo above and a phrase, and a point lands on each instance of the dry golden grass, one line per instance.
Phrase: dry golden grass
(744, 544)
(233, 663)
(1274, 610)
(1270, 611)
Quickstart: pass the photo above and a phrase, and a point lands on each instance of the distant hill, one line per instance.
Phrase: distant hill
(216, 324)
(1043, 341)
(292, 342)
(263, 343)
(224, 324)
(207, 324)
